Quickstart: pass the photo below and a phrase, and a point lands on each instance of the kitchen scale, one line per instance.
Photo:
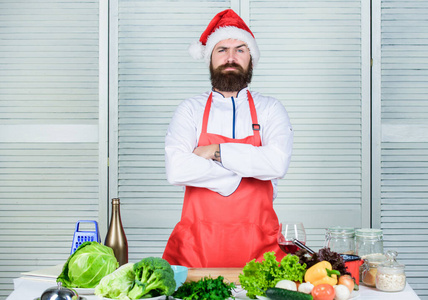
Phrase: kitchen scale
(81, 236)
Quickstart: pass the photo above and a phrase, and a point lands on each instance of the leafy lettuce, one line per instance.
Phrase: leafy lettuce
(258, 276)
(152, 276)
(88, 265)
(117, 284)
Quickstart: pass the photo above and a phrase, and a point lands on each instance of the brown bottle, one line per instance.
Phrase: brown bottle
(116, 238)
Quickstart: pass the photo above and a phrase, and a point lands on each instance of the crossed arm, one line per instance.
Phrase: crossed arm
(220, 168)
(209, 152)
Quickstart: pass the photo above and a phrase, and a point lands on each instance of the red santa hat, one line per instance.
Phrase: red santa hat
(225, 25)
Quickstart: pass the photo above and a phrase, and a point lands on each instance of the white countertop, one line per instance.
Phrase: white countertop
(32, 284)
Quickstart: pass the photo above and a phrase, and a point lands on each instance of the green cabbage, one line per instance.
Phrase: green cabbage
(88, 265)
(117, 284)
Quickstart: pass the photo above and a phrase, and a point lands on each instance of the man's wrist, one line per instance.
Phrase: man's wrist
(217, 154)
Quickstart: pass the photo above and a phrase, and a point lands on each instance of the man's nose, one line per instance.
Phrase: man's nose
(231, 57)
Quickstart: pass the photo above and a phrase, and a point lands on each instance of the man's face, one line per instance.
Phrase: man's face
(231, 66)
(228, 51)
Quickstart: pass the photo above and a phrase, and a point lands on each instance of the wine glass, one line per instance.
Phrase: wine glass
(289, 232)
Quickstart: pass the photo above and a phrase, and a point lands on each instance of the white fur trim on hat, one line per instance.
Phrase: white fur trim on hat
(230, 32)
(196, 50)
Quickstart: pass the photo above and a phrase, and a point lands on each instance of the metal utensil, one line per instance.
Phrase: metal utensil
(303, 246)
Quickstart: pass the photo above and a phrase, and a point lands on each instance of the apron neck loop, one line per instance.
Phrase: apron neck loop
(255, 126)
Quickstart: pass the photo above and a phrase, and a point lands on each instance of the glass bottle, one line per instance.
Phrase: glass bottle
(116, 238)
(368, 241)
(340, 239)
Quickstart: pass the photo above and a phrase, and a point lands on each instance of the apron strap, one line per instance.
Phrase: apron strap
(255, 125)
(206, 114)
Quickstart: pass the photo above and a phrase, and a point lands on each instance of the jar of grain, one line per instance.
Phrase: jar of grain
(390, 275)
(368, 270)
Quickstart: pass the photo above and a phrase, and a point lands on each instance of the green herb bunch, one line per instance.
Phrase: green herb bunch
(205, 289)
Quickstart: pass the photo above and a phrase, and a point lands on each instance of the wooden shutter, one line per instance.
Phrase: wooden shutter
(401, 119)
(315, 59)
(49, 162)
(154, 74)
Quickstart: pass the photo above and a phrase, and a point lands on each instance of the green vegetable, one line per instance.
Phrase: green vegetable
(117, 284)
(87, 266)
(281, 294)
(205, 289)
(257, 277)
(153, 277)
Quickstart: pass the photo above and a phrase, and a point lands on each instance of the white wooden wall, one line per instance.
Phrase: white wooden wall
(400, 155)
(155, 73)
(315, 59)
(51, 171)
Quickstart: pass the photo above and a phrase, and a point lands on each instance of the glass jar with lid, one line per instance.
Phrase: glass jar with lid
(340, 239)
(368, 241)
(390, 275)
(368, 270)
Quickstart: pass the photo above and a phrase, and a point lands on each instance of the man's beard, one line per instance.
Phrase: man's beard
(231, 81)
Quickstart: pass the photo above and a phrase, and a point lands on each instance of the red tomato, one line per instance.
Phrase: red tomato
(323, 292)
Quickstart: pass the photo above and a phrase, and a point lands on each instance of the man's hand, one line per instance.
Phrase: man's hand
(209, 152)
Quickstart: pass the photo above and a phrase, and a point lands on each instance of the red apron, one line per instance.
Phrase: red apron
(217, 231)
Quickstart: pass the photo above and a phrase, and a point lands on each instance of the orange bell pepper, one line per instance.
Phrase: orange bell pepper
(321, 273)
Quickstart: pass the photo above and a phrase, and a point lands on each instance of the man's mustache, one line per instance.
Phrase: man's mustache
(230, 65)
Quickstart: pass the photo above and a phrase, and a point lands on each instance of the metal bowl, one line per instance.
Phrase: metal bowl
(60, 293)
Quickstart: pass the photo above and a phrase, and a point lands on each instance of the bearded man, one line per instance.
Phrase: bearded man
(228, 147)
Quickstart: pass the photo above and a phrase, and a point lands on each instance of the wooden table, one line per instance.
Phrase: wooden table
(229, 274)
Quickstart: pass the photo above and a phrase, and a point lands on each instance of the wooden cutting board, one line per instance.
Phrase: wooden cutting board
(229, 274)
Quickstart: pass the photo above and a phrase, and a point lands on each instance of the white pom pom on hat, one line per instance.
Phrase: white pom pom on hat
(225, 25)
(196, 50)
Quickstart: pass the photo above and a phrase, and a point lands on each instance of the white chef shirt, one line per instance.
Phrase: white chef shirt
(228, 117)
